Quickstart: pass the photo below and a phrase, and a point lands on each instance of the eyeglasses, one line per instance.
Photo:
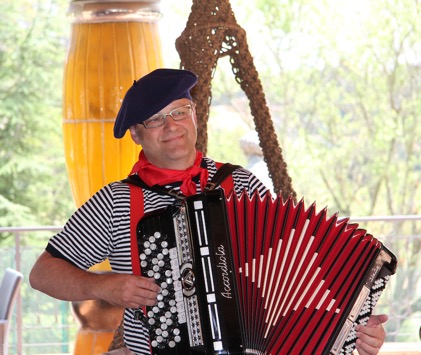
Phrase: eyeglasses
(178, 114)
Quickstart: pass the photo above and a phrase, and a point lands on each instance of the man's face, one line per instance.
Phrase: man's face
(171, 146)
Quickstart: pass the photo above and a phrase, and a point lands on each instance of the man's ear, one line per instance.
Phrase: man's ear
(134, 134)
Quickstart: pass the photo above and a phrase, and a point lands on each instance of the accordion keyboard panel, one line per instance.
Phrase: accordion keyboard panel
(165, 255)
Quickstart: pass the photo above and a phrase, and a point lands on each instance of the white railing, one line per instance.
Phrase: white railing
(28, 242)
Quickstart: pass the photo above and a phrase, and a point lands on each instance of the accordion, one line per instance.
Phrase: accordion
(250, 275)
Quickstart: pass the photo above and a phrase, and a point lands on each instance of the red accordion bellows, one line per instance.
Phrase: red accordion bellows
(298, 272)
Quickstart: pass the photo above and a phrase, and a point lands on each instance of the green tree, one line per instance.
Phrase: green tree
(346, 84)
(33, 187)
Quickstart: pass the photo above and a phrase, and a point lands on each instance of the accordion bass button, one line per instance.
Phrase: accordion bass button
(171, 344)
(157, 235)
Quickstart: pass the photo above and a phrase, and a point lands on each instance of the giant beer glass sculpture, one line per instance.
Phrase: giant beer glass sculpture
(112, 43)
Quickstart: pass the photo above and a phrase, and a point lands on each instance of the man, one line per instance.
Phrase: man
(160, 115)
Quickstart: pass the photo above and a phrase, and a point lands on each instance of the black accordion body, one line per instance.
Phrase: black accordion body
(246, 275)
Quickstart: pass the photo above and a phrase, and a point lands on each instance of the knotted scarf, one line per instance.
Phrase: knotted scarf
(153, 175)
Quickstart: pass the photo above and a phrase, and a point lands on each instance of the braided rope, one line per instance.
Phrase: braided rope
(212, 32)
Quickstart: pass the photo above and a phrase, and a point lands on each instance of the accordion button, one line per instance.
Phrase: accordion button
(164, 244)
(152, 239)
(172, 344)
(177, 339)
(165, 334)
(157, 235)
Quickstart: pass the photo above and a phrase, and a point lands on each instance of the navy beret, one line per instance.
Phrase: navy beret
(150, 94)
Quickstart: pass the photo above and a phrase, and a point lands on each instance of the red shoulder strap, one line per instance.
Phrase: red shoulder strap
(228, 183)
(136, 213)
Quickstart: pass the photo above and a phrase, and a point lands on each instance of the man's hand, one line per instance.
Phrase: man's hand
(128, 290)
(60, 279)
(371, 336)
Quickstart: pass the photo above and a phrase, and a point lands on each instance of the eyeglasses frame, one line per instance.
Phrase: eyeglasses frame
(191, 105)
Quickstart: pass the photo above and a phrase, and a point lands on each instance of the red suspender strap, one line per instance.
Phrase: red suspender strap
(228, 183)
(136, 213)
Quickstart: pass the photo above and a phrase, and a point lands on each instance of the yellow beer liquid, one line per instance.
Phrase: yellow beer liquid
(102, 61)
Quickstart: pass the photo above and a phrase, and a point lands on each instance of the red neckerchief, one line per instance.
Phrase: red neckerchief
(153, 175)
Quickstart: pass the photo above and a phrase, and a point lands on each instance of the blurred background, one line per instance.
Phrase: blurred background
(343, 84)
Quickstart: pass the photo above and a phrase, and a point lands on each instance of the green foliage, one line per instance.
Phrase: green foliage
(32, 187)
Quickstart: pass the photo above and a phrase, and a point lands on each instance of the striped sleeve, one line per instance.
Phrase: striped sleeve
(97, 230)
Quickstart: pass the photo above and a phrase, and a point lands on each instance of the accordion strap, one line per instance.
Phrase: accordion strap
(136, 213)
(224, 171)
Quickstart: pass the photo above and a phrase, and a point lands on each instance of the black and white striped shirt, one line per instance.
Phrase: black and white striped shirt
(100, 229)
